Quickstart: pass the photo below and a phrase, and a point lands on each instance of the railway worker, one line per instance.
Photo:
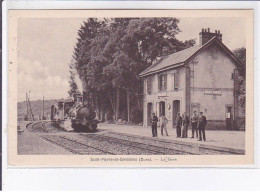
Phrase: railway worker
(202, 122)
(194, 124)
(185, 125)
(154, 121)
(178, 123)
(163, 123)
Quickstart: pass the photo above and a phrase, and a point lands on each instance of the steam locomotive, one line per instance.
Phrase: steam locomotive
(73, 115)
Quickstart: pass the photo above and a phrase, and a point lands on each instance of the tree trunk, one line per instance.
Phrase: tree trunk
(139, 102)
(112, 103)
(128, 106)
(97, 108)
(117, 103)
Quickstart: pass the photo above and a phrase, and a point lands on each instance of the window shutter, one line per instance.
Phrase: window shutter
(172, 81)
(149, 86)
(159, 83)
(176, 79)
(165, 82)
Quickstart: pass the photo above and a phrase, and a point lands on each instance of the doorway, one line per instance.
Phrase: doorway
(149, 113)
(161, 108)
(229, 117)
(175, 110)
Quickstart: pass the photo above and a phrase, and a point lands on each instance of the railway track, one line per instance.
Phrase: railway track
(43, 127)
(75, 146)
(92, 144)
(146, 148)
(37, 127)
(178, 145)
(114, 143)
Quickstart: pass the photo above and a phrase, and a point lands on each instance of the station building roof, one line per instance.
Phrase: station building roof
(179, 58)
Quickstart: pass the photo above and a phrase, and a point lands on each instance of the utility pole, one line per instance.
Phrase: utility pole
(43, 118)
(128, 106)
(27, 108)
(30, 106)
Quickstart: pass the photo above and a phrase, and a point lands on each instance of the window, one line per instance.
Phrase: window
(232, 76)
(149, 85)
(162, 82)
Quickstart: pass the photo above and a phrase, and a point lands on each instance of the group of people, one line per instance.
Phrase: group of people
(198, 125)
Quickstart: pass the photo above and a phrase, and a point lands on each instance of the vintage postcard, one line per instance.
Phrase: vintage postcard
(130, 88)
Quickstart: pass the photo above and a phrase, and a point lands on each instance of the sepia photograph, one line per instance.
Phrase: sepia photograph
(130, 88)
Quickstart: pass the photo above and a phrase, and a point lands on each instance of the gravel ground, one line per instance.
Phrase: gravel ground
(32, 144)
(41, 135)
(223, 138)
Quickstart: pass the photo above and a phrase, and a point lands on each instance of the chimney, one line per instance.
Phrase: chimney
(206, 35)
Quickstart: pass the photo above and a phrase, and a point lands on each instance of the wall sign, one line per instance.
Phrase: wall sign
(213, 92)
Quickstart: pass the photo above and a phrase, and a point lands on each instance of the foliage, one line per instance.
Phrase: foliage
(36, 108)
(241, 55)
(136, 115)
(73, 86)
(109, 116)
(111, 52)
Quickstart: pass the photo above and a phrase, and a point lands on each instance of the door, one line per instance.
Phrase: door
(229, 117)
(149, 113)
(162, 108)
(175, 110)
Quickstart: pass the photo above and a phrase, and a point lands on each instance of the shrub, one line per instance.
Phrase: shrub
(109, 116)
(136, 115)
(123, 116)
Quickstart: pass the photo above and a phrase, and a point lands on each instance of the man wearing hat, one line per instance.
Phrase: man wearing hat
(154, 121)
(202, 122)
(194, 124)
(178, 123)
(185, 125)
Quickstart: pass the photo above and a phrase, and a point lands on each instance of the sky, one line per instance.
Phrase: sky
(45, 48)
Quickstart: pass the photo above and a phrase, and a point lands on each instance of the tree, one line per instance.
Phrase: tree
(241, 55)
(111, 53)
(140, 42)
(73, 86)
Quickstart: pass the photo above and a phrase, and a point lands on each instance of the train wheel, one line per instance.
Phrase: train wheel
(93, 127)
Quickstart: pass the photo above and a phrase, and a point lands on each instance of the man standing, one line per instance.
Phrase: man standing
(163, 123)
(154, 121)
(194, 124)
(178, 123)
(201, 126)
(185, 124)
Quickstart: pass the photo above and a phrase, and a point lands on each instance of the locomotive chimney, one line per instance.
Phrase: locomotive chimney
(206, 35)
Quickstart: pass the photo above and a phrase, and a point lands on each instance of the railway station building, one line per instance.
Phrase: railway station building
(202, 78)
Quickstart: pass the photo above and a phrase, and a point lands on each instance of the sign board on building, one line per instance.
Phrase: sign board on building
(213, 92)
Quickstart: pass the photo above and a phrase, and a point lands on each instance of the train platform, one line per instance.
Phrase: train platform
(225, 139)
(32, 144)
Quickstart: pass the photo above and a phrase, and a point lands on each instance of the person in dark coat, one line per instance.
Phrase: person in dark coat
(202, 122)
(178, 123)
(154, 121)
(185, 125)
(194, 124)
